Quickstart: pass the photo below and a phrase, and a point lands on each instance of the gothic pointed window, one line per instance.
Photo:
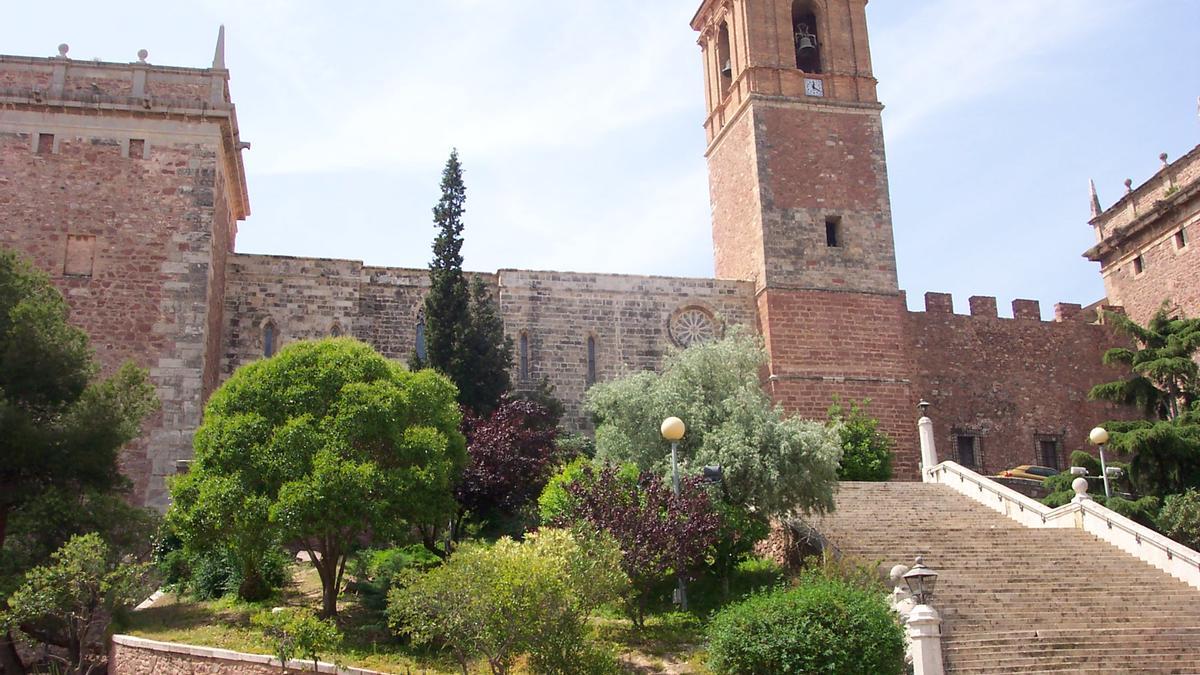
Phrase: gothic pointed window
(591, 360)
(420, 342)
(336, 330)
(270, 338)
(523, 356)
(805, 37)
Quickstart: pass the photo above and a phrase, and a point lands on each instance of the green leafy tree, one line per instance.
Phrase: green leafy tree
(773, 463)
(68, 602)
(298, 632)
(321, 444)
(1180, 518)
(62, 427)
(510, 598)
(866, 451)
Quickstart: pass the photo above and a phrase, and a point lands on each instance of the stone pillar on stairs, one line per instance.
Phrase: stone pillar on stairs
(928, 449)
(925, 634)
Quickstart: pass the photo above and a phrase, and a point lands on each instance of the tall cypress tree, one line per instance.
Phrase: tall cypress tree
(447, 306)
(464, 334)
(487, 354)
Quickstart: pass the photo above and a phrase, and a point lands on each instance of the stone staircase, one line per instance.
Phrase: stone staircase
(1016, 599)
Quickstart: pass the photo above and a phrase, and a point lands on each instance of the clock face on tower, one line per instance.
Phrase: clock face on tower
(814, 87)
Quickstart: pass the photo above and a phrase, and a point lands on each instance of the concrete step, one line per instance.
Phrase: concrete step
(1016, 599)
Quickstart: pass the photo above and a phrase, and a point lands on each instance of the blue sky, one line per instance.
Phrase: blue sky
(579, 125)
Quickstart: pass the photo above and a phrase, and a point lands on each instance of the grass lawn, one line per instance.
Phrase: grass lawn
(671, 641)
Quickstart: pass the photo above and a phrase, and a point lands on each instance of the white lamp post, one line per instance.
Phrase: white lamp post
(673, 429)
(1098, 437)
(924, 622)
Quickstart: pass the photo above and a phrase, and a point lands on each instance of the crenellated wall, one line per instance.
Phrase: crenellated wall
(1010, 383)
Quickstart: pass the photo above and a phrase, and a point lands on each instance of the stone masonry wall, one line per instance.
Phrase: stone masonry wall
(1010, 382)
(129, 655)
(818, 162)
(128, 240)
(1170, 271)
(849, 345)
(627, 316)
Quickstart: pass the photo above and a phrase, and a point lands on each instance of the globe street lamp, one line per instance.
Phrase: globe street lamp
(673, 429)
(1098, 437)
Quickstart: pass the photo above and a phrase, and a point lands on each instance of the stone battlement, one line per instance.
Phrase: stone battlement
(60, 81)
(1022, 309)
(1172, 183)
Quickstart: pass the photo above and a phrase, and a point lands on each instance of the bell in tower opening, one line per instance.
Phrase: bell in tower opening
(808, 47)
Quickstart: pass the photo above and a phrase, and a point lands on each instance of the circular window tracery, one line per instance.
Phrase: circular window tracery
(691, 325)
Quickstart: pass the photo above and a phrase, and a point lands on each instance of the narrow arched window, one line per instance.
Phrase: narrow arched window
(421, 335)
(724, 58)
(591, 360)
(336, 330)
(269, 338)
(806, 38)
(524, 356)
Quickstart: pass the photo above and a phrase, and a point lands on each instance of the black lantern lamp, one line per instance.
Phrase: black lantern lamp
(921, 580)
(923, 406)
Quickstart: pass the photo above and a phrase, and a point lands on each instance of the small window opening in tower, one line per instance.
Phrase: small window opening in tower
(724, 58)
(1180, 238)
(335, 330)
(805, 37)
(833, 231)
(524, 356)
(591, 360)
(1139, 265)
(45, 144)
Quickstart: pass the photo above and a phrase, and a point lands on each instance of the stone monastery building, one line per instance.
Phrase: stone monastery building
(125, 182)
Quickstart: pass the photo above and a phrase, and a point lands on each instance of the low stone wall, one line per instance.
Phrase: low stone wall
(138, 656)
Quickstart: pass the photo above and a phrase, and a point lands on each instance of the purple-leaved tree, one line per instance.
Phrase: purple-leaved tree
(658, 533)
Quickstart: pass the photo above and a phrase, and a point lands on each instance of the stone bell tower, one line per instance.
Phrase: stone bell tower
(799, 192)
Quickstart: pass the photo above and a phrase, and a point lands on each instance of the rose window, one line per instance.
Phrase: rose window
(692, 325)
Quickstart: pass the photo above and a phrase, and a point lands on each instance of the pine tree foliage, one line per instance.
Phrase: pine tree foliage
(1164, 384)
(487, 354)
(1164, 379)
(447, 306)
(464, 334)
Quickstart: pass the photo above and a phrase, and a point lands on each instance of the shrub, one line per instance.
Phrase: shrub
(511, 598)
(66, 602)
(1180, 518)
(217, 572)
(866, 451)
(657, 531)
(378, 571)
(298, 632)
(824, 625)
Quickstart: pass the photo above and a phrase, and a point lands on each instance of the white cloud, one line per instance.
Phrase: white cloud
(951, 52)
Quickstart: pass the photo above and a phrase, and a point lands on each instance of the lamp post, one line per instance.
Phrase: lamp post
(929, 458)
(924, 622)
(1099, 437)
(673, 429)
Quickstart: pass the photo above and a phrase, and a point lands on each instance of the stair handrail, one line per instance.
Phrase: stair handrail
(1172, 557)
